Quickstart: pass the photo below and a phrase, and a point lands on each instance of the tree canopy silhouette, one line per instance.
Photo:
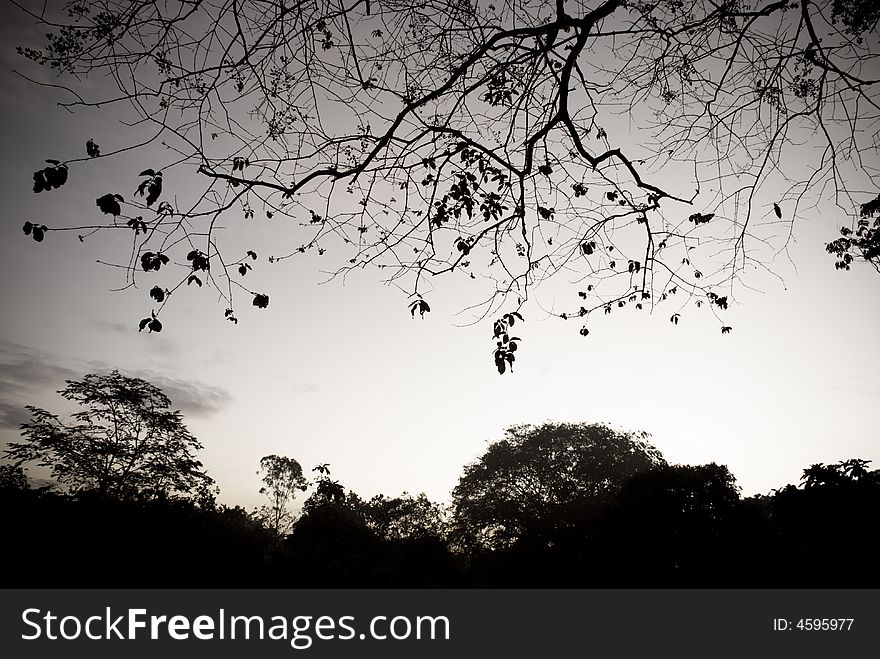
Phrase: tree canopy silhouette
(12, 477)
(651, 152)
(126, 442)
(833, 517)
(405, 517)
(540, 480)
(282, 477)
(676, 525)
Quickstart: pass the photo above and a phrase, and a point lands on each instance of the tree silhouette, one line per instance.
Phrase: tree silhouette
(328, 492)
(651, 151)
(282, 477)
(675, 525)
(831, 517)
(343, 541)
(539, 481)
(405, 517)
(331, 544)
(13, 478)
(125, 443)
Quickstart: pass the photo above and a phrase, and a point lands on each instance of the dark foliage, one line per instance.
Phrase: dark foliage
(666, 526)
(539, 481)
(85, 541)
(124, 443)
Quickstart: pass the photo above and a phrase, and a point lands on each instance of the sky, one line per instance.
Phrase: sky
(339, 372)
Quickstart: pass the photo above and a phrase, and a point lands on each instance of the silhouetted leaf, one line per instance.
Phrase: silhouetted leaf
(252, 254)
(193, 278)
(154, 190)
(138, 224)
(92, 149)
(419, 305)
(151, 261)
(50, 177)
(155, 325)
(144, 322)
(152, 186)
(109, 204)
(261, 301)
(157, 293)
(199, 260)
(777, 210)
(699, 218)
(27, 228)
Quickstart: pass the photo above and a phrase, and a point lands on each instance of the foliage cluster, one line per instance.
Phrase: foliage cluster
(650, 152)
(557, 505)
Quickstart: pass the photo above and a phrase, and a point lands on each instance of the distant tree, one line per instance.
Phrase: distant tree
(331, 544)
(282, 477)
(652, 150)
(707, 492)
(674, 525)
(125, 443)
(328, 493)
(829, 521)
(539, 481)
(405, 517)
(846, 472)
(13, 477)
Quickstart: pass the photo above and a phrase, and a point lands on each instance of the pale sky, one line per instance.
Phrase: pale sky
(339, 372)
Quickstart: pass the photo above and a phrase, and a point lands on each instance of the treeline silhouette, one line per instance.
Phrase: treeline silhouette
(559, 505)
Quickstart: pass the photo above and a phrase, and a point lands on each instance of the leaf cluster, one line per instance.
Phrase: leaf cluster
(50, 178)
